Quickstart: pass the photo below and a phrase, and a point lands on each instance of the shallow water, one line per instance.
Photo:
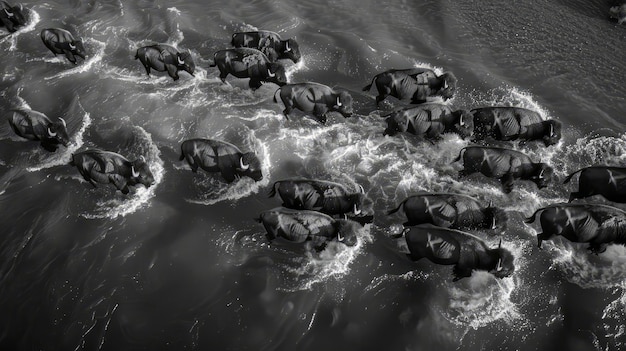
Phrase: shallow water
(183, 265)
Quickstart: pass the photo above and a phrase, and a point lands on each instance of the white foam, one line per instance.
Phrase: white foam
(86, 65)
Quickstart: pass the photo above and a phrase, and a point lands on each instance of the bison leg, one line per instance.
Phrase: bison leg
(172, 71)
(147, 67)
(70, 57)
(48, 146)
(507, 183)
(460, 273)
(228, 173)
(254, 84)
(597, 248)
(192, 163)
(119, 182)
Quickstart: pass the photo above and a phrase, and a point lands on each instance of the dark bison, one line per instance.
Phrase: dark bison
(598, 225)
(505, 165)
(98, 166)
(12, 17)
(512, 123)
(314, 98)
(618, 11)
(249, 63)
(318, 195)
(220, 156)
(162, 57)
(34, 125)
(609, 182)
(304, 225)
(430, 120)
(452, 247)
(451, 211)
(414, 84)
(268, 43)
(60, 41)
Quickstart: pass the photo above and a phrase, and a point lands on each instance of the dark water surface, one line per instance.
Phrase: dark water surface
(182, 265)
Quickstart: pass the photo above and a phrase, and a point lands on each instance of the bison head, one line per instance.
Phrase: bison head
(58, 132)
(249, 165)
(464, 123)
(77, 48)
(184, 62)
(291, 50)
(14, 13)
(503, 258)
(140, 173)
(543, 175)
(347, 231)
(495, 218)
(552, 132)
(448, 85)
(343, 104)
(276, 74)
(618, 13)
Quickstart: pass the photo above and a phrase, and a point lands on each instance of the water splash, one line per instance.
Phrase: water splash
(34, 18)
(123, 206)
(86, 65)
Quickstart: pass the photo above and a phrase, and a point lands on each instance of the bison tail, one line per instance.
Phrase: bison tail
(569, 177)
(272, 192)
(458, 158)
(390, 212)
(277, 90)
(532, 218)
(369, 86)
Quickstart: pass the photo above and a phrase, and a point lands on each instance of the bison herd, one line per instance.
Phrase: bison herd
(321, 211)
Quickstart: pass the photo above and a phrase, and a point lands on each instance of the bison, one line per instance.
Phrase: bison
(268, 43)
(463, 250)
(36, 126)
(504, 164)
(449, 210)
(319, 195)
(220, 156)
(598, 225)
(12, 17)
(609, 182)
(429, 120)
(60, 41)
(512, 123)
(98, 166)
(249, 63)
(314, 98)
(414, 84)
(303, 225)
(162, 57)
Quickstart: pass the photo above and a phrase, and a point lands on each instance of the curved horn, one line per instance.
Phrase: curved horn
(338, 102)
(10, 14)
(133, 172)
(51, 134)
(361, 189)
(461, 121)
(21, 7)
(490, 204)
(270, 74)
(143, 159)
(72, 47)
(242, 165)
(445, 84)
(357, 211)
(493, 223)
(63, 121)
(541, 173)
(180, 62)
(551, 130)
(499, 265)
(287, 48)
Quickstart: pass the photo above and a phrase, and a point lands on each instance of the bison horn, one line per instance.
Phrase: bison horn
(142, 159)
(242, 165)
(51, 134)
(180, 62)
(445, 84)
(490, 204)
(63, 121)
(72, 46)
(356, 210)
(133, 172)
(21, 7)
(338, 102)
(541, 173)
(499, 265)
(361, 188)
(552, 130)
(8, 13)
(339, 237)
(461, 122)
(270, 74)
(493, 223)
(287, 48)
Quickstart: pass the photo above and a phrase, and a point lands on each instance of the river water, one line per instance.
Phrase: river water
(183, 265)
